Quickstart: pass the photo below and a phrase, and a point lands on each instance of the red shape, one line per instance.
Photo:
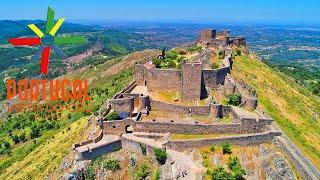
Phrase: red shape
(25, 41)
(45, 60)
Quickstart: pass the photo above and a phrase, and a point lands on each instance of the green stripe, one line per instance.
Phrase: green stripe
(69, 40)
(50, 20)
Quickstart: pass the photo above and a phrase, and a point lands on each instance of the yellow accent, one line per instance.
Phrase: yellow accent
(56, 26)
(36, 30)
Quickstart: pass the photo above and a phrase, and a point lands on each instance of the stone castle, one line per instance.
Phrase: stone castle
(197, 89)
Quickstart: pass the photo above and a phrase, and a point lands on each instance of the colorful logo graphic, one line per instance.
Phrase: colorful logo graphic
(47, 40)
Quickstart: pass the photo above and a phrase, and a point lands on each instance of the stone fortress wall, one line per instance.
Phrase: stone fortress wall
(191, 81)
(163, 80)
(245, 125)
(245, 130)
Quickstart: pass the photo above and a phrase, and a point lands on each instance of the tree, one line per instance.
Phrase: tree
(35, 131)
(172, 54)
(234, 99)
(161, 155)
(156, 62)
(69, 116)
(226, 147)
(22, 137)
(15, 139)
(6, 144)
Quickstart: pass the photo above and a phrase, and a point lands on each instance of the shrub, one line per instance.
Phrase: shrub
(194, 48)
(143, 171)
(235, 166)
(156, 62)
(171, 64)
(221, 54)
(133, 161)
(214, 65)
(6, 144)
(15, 139)
(90, 172)
(161, 155)
(237, 52)
(220, 173)
(156, 175)
(226, 147)
(112, 165)
(172, 54)
(113, 116)
(69, 116)
(212, 148)
(22, 137)
(234, 99)
(35, 132)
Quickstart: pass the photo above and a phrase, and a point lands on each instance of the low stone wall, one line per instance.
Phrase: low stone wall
(95, 139)
(245, 126)
(243, 140)
(183, 110)
(301, 163)
(99, 137)
(136, 144)
(100, 150)
(117, 127)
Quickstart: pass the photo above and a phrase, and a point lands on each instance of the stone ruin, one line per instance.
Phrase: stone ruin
(195, 82)
(214, 39)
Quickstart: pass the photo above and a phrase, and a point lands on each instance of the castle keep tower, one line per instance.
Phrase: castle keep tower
(191, 81)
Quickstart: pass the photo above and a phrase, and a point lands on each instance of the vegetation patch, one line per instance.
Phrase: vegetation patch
(161, 155)
(234, 99)
(293, 107)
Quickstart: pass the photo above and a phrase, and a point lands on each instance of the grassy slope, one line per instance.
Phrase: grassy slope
(46, 158)
(295, 110)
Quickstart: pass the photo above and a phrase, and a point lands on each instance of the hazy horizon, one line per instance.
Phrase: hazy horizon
(206, 11)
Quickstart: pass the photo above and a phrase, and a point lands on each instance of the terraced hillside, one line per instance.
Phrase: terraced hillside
(295, 110)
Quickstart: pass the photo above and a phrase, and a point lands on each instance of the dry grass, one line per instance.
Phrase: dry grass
(293, 107)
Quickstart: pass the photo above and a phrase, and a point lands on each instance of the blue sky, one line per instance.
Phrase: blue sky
(166, 10)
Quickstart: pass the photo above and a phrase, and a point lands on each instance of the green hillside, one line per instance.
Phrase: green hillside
(41, 153)
(295, 109)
